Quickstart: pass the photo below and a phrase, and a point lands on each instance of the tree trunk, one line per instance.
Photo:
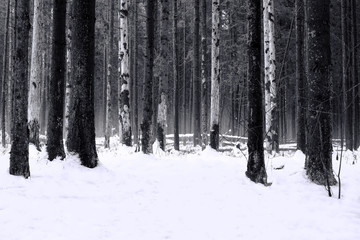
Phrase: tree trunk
(176, 77)
(5, 77)
(204, 75)
(196, 77)
(344, 71)
(256, 165)
(215, 75)
(136, 79)
(19, 155)
(300, 79)
(319, 152)
(271, 117)
(55, 144)
(150, 54)
(124, 104)
(81, 137)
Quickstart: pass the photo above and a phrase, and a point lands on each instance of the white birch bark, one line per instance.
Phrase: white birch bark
(124, 91)
(68, 83)
(35, 75)
(270, 81)
(215, 75)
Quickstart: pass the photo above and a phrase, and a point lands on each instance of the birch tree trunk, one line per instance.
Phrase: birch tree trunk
(147, 92)
(271, 138)
(35, 74)
(19, 154)
(136, 79)
(256, 166)
(55, 143)
(319, 152)
(124, 99)
(215, 75)
(5, 77)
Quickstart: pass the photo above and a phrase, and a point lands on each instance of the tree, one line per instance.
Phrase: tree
(19, 155)
(300, 76)
(35, 74)
(319, 151)
(124, 55)
(55, 144)
(215, 75)
(272, 138)
(81, 136)
(147, 92)
(5, 76)
(204, 74)
(256, 165)
(196, 77)
(165, 62)
(176, 76)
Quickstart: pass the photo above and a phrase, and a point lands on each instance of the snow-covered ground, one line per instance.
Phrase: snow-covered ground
(199, 196)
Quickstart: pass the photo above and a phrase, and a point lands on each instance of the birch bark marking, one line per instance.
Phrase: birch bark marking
(35, 75)
(271, 130)
(215, 75)
(124, 105)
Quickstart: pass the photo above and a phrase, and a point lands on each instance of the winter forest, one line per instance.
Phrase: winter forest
(179, 119)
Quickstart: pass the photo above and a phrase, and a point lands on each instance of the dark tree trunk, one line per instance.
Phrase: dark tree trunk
(256, 166)
(204, 74)
(319, 151)
(55, 144)
(81, 137)
(356, 88)
(147, 93)
(300, 79)
(176, 77)
(196, 77)
(19, 155)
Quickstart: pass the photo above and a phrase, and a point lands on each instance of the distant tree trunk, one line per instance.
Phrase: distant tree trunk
(256, 166)
(319, 152)
(271, 117)
(147, 92)
(176, 77)
(196, 77)
(136, 79)
(356, 88)
(19, 154)
(55, 144)
(215, 75)
(165, 56)
(124, 104)
(204, 75)
(35, 74)
(184, 78)
(300, 78)
(344, 63)
(5, 77)
(111, 68)
(81, 137)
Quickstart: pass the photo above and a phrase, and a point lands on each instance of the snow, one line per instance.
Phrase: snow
(203, 195)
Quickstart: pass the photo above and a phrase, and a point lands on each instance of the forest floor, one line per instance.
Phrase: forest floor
(200, 195)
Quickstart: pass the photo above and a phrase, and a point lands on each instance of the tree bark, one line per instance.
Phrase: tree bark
(300, 78)
(271, 114)
(19, 154)
(176, 77)
(196, 77)
(256, 166)
(204, 75)
(150, 54)
(55, 144)
(81, 137)
(215, 75)
(124, 57)
(319, 152)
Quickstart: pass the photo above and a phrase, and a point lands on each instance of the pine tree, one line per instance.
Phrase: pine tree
(319, 151)
(55, 144)
(19, 155)
(81, 137)
(256, 165)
